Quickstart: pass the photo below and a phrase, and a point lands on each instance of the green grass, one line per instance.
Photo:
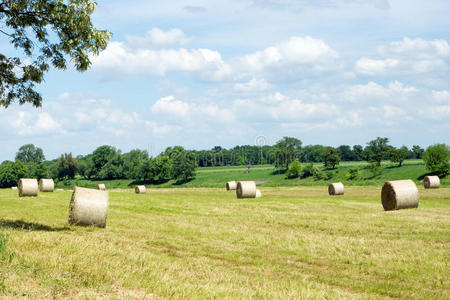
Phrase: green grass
(218, 176)
(295, 242)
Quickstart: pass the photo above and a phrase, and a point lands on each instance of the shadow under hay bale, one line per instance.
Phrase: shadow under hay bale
(431, 182)
(231, 185)
(46, 185)
(88, 207)
(28, 187)
(140, 189)
(246, 189)
(399, 194)
(335, 189)
(101, 187)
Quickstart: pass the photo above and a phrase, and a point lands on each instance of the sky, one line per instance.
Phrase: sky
(204, 73)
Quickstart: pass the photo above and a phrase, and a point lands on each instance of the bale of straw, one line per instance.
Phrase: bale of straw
(14, 187)
(28, 187)
(101, 187)
(46, 185)
(231, 185)
(88, 207)
(258, 194)
(399, 194)
(431, 182)
(336, 188)
(246, 189)
(59, 190)
(140, 189)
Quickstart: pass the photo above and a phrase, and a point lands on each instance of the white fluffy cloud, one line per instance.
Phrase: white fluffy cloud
(157, 38)
(120, 60)
(407, 57)
(372, 92)
(306, 51)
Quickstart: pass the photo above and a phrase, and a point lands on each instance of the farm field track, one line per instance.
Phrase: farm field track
(294, 242)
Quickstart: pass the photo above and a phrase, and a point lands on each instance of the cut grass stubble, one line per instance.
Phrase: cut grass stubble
(204, 243)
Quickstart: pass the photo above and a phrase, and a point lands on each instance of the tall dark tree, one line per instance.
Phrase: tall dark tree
(48, 32)
(330, 157)
(358, 152)
(345, 152)
(29, 153)
(399, 155)
(287, 149)
(418, 151)
(183, 165)
(67, 166)
(377, 149)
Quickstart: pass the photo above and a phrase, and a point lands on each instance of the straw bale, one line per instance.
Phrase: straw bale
(46, 185)
(336, 188)
(246, 189)
(231, 185)
(399, 194)
(28, 187)
(140, 189)
(101, 187)
(88, 207)
(431, 182)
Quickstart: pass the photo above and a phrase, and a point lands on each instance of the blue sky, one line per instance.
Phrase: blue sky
(206, 73)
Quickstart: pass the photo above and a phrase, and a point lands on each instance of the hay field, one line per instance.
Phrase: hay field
(295, 242)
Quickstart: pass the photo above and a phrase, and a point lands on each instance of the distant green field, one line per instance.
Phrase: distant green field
(218, 176)
(203, 243)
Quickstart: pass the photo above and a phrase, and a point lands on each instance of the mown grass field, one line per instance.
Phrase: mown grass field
(217, 176)
(197, 243)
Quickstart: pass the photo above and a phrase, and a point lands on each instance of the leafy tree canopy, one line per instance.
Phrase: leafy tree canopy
(47, 32)
(437, 159)
(29, 153)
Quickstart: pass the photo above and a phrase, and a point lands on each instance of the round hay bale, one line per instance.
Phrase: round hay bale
(399, 194)
(46, 185)
(336, 188)
(246, 189)
(59, 190)
(231, 185)
(140, 189)
(101, 187)
(14, 187)
(258, 194)
(28, 187)
(88, 207)
(431, 182)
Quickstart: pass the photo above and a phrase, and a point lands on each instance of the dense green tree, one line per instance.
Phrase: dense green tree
(357, 152)
(183, 164)
(377, 150)
(11, 172)
(131, 162)
(67, 166)
(398, 155)
(437, 159)
(418, 151)
(161, 169)
(330, 157)
(287, 149)
(312, 153)
(48, 32)
(345, 153)
(294, 169)
(29, 153)
(39, 171)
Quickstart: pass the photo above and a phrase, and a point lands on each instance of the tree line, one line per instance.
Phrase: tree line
(176, 163)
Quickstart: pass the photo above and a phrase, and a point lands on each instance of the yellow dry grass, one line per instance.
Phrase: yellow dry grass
(204, 243)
